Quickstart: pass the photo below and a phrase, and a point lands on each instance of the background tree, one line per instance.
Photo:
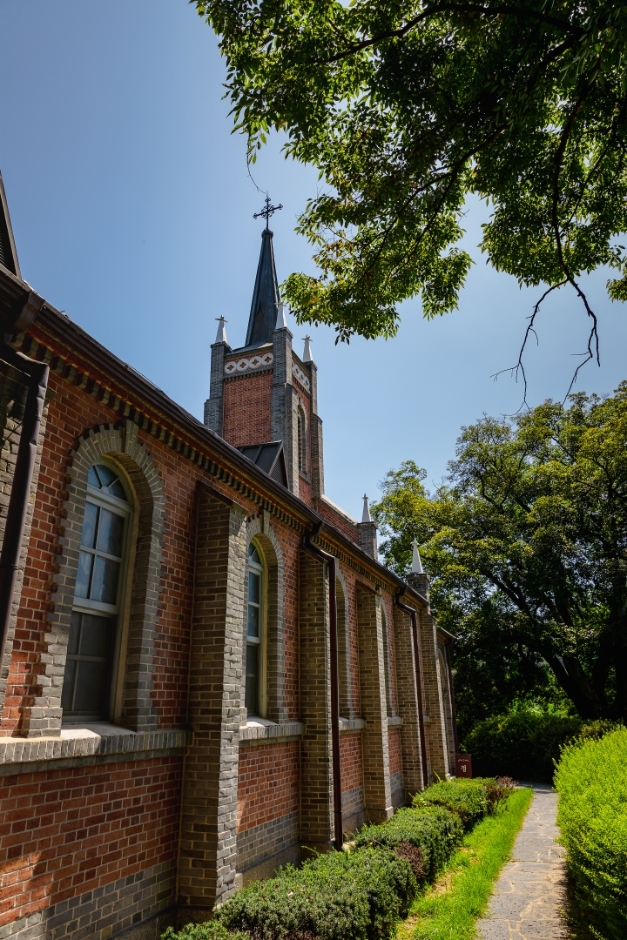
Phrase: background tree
(407, 107)
(527, 545)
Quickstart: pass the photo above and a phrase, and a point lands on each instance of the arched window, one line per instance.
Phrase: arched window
(302, 441)
(87, 685)
(386, 663)
(255, 628)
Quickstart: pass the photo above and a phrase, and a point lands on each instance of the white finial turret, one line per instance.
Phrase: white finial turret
(365, 516)
(416, 564)
(307, 357)
(221, 337)
(281, 321)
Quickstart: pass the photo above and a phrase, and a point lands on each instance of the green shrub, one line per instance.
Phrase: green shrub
(524, 743)
(359, 895)
(466, 798)
(592, 785)
(433, 830)
(211, 930)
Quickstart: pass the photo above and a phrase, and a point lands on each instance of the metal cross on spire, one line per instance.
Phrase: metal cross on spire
(267, 211)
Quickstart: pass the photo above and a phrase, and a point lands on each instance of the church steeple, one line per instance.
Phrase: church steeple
(266, 297)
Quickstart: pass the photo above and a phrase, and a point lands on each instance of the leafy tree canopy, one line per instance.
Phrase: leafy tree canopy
(526, 542)
(408, 106)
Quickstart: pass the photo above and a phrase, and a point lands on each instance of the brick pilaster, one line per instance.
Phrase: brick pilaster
(377, 791)
(214, 411)
(435, 723)
(284, 404)
(408, 704)
(367, 536)
(315, 695)
(208, 852)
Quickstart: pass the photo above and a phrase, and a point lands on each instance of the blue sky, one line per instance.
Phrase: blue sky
(132, 209)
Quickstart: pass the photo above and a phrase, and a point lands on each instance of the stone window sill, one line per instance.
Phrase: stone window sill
(394, 721)
(351, 724)
(259, 729)
(88, 741)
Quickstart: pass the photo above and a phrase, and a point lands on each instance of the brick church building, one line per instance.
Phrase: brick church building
(206, 671)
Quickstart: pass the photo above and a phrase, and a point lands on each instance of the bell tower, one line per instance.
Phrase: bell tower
(262, 394)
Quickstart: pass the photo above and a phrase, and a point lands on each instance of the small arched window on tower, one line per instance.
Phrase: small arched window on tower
(255, 632)
(302, 442)
(98, 597)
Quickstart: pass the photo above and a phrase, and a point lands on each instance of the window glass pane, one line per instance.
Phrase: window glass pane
(75, 633)
(95, 636)
(254, 587)
(90, 688)
(116, 489)
(68, 685)
(253, 620)
(93, 479)
(252, 679)
(253, 554)
(89, 525)
(83, 574)
(106, 475)
(104, 585)
(110, 533)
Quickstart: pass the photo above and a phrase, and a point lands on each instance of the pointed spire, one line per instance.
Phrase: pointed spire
(266, 297)
(416, 563)
(307, 357)
(365, 516)
(221, 337)
(281, 320)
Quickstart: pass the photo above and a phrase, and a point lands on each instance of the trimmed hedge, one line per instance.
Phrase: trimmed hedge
(338, 896)
(363, 893)
(210, 930)
(592, 785)
(467, 799)
(433, 830)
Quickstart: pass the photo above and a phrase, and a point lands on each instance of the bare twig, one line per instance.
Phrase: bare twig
(519, 368)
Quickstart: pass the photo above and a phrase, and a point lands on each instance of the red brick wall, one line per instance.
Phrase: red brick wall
(69, 831)
(247, 409)
(336, 519)
(350, 756)
(394, 743)
(71, 413)
(268, 783)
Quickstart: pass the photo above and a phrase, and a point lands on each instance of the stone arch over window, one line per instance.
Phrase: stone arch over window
(302, 441)
(347, 709)
(272, 698)
(131, 704)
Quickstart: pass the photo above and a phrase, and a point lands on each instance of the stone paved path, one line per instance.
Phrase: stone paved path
(530, 892)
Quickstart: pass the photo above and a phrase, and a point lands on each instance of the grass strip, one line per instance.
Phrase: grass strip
(450, 909)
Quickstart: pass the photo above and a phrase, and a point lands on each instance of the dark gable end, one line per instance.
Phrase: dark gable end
(8, 253)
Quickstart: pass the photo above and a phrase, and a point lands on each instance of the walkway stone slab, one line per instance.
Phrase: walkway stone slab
(530, 893)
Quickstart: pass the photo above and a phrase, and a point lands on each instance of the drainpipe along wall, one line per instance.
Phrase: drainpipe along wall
(447, 650)
(335, 688)
(36, 374)
(418, 670)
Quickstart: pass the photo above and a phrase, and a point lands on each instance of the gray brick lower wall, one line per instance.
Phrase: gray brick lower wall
(138, 907)
(353, 811)
(398, 790)
(262, 849)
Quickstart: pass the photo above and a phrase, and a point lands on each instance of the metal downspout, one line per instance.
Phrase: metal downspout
(37, 373)
(421, 718)
(335, 687)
